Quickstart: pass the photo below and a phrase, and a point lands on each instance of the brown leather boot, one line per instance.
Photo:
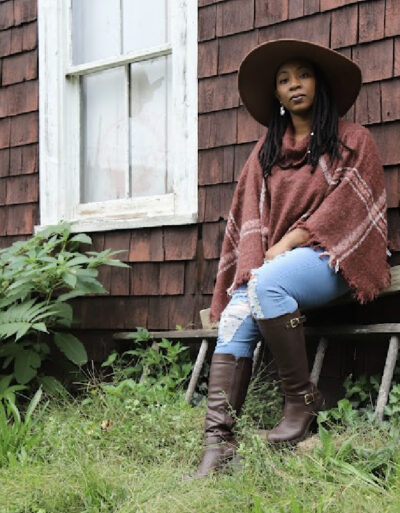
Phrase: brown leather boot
(284, 335)
(227, 388)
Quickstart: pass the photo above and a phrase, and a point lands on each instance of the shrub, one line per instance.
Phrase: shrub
(37, 279)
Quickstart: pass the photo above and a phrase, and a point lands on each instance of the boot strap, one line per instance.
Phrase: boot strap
(217, 439)
(308, 398)
(295, 321)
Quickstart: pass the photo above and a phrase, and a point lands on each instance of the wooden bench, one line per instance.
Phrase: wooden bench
(208, 334)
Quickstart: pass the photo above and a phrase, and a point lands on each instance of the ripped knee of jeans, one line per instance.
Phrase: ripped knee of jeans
(231, 320)
(255, 305)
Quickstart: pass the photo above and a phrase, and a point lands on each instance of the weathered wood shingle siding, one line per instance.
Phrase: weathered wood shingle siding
(19, 181)
(172, 269)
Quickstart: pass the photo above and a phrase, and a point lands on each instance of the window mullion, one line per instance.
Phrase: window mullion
(72, 131)
(121, 60)
(121, 31)
(128, 131)
(69, 34)
(79, 156)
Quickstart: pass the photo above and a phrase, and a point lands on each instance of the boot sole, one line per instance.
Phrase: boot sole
(291, 444)
(226, 464)
(308, 432)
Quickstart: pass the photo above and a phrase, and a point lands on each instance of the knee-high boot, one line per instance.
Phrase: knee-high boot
(227, 388)
(284, 335)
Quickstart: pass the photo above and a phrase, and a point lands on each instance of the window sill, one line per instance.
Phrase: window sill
(96, 224)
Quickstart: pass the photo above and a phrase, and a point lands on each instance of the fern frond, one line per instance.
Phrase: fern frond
(18, 319)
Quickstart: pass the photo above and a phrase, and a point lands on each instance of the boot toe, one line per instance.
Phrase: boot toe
(214, 458)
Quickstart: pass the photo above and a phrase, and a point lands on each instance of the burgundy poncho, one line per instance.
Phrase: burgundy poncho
(342, 206)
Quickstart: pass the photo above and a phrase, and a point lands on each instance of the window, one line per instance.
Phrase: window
(118, 112)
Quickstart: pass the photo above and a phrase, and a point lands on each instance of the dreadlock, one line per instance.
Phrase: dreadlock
(324, 127)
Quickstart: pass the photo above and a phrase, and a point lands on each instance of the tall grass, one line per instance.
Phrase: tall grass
(102, 453)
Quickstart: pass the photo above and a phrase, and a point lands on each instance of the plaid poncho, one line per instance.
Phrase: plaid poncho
(342, 206)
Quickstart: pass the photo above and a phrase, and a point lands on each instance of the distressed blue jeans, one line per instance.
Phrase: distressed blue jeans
(298, 278)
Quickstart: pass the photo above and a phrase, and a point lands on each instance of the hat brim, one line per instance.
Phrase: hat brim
(257, 72)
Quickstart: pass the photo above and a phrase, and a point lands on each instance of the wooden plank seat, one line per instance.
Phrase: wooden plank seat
(208, 333)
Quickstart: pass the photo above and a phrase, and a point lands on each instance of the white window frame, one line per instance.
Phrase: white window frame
(59, 127)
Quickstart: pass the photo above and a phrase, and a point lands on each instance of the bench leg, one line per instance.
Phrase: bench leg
(386, 382)
(319, 360)
(196, 370)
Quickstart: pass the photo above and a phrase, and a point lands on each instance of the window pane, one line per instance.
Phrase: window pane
(105, 136)
(95, 29)
(144, 24)
(150, 92)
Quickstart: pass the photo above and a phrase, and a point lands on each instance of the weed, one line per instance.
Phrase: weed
(17, 437)
(264, 400)
(392, 410)
(153, 374)
(360, 399)
(344, 414)
(362, 393)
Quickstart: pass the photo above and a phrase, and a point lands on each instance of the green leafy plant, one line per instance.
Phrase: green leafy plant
(392, 410)
(37, 279)
(156, 372)
(8, 392)
(343, 414)
(17, 438)
(328, 450)
(362, 393)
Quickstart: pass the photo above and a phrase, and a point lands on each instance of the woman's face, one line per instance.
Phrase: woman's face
(295, 86)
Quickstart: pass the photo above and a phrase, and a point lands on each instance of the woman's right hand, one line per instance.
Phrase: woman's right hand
(289, 241)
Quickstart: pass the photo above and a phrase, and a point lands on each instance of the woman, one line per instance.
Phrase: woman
(307, 224)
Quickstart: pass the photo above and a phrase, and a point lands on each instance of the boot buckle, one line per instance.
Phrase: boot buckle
(308, 398)
(296, 321)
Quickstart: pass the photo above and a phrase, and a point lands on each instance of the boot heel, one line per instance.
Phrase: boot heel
(313, 429)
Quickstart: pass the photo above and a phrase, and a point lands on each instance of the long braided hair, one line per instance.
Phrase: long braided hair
(324, 127)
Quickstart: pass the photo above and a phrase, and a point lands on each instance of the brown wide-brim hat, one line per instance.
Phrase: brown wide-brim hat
(257, 72)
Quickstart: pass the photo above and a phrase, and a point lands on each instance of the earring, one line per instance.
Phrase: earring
(282, 110)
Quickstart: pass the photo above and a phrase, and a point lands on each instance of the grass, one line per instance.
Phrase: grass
(101, 453)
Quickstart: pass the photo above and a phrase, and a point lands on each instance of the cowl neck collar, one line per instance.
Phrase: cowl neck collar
(293, 153)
